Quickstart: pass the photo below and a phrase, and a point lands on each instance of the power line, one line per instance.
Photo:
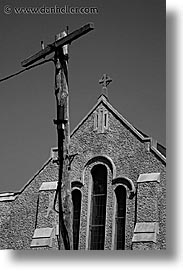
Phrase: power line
(26, 69)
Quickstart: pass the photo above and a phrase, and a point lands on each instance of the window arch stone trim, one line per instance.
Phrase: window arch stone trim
(76, 184)
(127, 183)
(102, 159)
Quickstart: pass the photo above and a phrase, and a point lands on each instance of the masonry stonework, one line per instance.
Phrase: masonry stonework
(126, 153)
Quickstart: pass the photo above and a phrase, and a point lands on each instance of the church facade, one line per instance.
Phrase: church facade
(118, 191)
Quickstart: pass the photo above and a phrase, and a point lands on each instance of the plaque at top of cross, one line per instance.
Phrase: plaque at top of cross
(105, 81)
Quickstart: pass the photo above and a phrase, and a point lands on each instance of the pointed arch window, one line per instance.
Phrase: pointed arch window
(76, 199)
(98, 214)
(120, 192)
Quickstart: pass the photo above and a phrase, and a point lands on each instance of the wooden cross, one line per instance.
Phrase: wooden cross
(105, 81)
(57, 44)
(59, 48)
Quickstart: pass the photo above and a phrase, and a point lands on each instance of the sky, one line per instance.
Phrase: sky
(128, 43)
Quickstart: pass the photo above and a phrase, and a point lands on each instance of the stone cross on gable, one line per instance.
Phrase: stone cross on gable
(105, 81)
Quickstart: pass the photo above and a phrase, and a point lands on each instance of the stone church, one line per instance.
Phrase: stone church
(117, 187)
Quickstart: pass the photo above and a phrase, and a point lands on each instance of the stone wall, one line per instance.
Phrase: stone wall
(124, 154)
(131, 158)
(20, 216)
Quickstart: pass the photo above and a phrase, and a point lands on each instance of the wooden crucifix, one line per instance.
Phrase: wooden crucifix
(59, 48)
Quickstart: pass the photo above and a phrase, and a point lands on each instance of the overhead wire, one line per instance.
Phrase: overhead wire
(26, 69)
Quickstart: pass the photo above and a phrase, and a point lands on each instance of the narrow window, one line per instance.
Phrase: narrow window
(105, 120)
(120, 217)
(99, 195)
(100, 120)
(76, 199)
(96, 123)
(97, 120)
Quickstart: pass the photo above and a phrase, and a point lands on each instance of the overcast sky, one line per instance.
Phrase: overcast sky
(128, 44)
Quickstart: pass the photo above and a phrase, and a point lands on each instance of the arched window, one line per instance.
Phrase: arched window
(120, 217)
(98, 214)
(76, 199)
